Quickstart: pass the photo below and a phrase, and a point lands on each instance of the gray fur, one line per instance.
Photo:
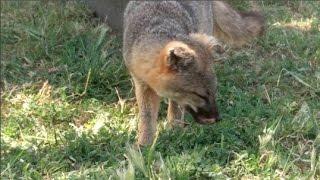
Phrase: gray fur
(161, 21)
(167, 50)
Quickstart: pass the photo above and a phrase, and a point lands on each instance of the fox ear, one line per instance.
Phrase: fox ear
(209, 41)
(180, 57)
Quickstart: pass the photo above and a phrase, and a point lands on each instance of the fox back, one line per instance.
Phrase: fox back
(160, 20)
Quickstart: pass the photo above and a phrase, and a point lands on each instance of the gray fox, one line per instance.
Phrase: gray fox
(168, 48)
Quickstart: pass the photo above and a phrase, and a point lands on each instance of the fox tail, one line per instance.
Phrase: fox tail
(236, 28)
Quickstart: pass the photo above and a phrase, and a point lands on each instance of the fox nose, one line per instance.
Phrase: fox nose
(210, 110)
(213, 118)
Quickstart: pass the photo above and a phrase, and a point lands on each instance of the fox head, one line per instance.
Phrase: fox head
(185, 74)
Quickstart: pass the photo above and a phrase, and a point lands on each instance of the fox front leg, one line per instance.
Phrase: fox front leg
(148, 103)
(175, 114)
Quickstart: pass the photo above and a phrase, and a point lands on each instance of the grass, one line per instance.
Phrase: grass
(68, 109)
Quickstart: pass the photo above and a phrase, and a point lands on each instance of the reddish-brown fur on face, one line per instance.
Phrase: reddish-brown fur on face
(181, 72)
(155, 70)
(195, 60)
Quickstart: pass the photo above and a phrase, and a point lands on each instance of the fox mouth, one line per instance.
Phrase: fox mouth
(203, 118)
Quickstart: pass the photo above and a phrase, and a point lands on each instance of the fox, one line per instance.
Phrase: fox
(169, 49)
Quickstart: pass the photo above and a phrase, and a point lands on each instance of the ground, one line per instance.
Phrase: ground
(68, 110)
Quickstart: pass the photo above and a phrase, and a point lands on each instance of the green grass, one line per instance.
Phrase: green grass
(68, 109)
